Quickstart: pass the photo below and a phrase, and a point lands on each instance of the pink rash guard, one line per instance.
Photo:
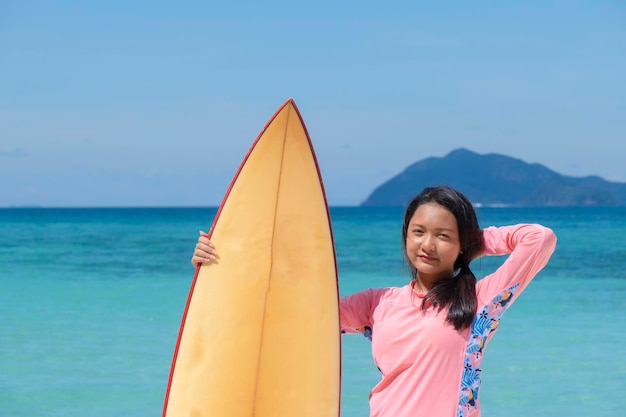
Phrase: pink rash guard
(428, 368)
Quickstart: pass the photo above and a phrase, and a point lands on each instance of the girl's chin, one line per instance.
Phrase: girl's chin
(426, 268)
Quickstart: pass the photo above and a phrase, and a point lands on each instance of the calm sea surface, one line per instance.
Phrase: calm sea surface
(91, 302)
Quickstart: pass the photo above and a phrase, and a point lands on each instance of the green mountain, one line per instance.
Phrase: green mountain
(493, 179)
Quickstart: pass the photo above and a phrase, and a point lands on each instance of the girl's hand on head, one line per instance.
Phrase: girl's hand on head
(204, 251)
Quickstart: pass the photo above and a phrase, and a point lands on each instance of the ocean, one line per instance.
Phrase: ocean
(91, 302)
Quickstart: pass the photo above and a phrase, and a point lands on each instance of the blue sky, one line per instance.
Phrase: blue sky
(148, 103)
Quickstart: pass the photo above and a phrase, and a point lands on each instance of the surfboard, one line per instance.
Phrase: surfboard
(260, 331)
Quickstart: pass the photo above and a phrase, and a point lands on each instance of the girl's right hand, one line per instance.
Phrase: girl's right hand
(204, 252)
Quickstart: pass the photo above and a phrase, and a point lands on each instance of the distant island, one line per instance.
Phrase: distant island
(497, 180)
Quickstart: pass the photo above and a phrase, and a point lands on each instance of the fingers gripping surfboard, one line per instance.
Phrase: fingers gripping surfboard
(260, 333)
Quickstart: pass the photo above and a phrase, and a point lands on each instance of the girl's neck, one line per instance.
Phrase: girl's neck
(422, 286)
(419, 287)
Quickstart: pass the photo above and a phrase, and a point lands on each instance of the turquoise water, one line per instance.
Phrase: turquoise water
(91, 302)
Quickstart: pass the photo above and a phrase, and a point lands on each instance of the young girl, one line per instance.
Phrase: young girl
(429, 336)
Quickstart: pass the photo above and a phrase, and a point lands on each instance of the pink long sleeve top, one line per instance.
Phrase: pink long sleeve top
(428, 368)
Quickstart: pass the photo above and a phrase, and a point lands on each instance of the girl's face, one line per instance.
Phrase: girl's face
(432, 243)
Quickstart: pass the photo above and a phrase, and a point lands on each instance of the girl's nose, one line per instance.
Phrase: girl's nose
(428, 243)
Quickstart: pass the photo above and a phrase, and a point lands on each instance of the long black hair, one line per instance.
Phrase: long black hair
(457, 293)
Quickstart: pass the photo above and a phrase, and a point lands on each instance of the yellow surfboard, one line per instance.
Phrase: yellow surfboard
(260, 333)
